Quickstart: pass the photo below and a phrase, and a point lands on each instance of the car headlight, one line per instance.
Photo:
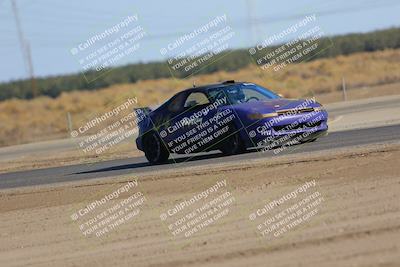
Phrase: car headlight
(318, 109)
(259, 116)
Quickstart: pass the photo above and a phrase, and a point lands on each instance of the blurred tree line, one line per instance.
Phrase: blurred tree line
(235, 59)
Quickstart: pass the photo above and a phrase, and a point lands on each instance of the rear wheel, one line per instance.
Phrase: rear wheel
(154, 149)
(233, 144)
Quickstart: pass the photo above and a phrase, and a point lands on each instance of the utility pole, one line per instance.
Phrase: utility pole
(30, 66)
(344, 89)
(25, 48)
(69, 123)
(251, 21)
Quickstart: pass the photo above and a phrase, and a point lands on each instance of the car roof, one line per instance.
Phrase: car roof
(211, 86)
(202, 88)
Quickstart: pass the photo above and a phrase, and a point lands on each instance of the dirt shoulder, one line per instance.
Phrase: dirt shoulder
(357, 223)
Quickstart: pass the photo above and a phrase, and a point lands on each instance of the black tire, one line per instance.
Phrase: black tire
(233, 144)
(154, 149)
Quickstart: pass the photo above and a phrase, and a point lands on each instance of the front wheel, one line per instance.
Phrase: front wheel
(154, 149)
(232, 145)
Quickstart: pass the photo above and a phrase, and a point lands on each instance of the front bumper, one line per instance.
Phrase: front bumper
(303, 127)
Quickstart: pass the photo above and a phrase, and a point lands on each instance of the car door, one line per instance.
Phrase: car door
(197, 113)
(168, 124)
(181, 133)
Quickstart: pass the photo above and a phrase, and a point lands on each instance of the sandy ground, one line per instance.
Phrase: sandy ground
(357, 224)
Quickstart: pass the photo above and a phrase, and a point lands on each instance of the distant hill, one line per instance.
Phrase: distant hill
(234, 60)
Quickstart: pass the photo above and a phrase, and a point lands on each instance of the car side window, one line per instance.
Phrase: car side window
(195, 99)
(177, 103)
(250, 93)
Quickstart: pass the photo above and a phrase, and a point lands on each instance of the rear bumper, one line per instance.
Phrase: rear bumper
(139, 143)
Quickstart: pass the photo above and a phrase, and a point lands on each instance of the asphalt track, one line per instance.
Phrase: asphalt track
(139, 165)
(335, 110)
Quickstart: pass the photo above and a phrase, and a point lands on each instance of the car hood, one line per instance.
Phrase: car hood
(274, 105)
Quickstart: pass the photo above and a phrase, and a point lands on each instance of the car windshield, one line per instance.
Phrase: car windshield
(241, 93)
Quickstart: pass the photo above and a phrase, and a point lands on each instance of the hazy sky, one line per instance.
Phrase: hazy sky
(54, 27)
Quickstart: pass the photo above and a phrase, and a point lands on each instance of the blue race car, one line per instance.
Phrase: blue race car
(231, 117)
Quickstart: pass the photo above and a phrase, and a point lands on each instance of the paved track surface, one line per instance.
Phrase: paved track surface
(139, 164)
(335, 110)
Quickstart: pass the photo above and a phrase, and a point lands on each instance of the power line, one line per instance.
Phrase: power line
(251, 24)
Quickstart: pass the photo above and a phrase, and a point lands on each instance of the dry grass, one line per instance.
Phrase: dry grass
(45, 118)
